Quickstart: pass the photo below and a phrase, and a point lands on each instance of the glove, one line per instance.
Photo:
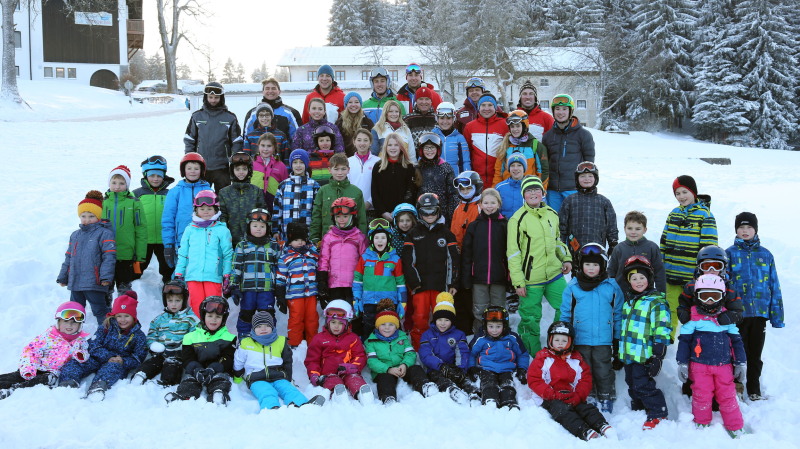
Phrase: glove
(322, 287)
(449, 370)
(169, 256)
(571, 398)
(473, 372)
(616, 363)
(226, 286)
(726, 317)
(522, 375)
(358, 308)
(280, 298)
(740, 373)
(320, 380)
(684, 315)
(683, 372)
(157, 347)
(654, 362)
(236, 295)
(204, 375)
(346, 368)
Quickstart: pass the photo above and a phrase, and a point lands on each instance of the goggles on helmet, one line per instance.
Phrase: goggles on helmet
(716, 265)
(71, 314)
(411, 68)
(215, 307)
(205, 201)
(430, 138)
(445, 113)
(214, 90)
(324, 129)
(514, 119)
(342, 210)
(474, 82)
(380, 71)
(172, 290)
(462, 182)
(709, 296)
(335, 313)
(258, 216)
(637, 258)
(561, 101)
(155, 160)
(428, 211)
(494, 315)
(378, 223)
(240, 159)
(586, 167)
(591, 249)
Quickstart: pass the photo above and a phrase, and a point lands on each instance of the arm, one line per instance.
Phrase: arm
(363, 224)
(410, 356)
(775, 296)
(63, 274)
(617, 302)
(537, 383)
(402, 292)
(409, 255)
(190, 137)
(313, 361)
(541, 150)
(426, 355)
(514, 255)
(31, 356)
(708, 234)
(138, 354)
(660, 323)
(466, 255)
(563, 222)
(140, 230)
(358, 285)
(375, 147)
(658, 269)
(587, 146)
(168, 219)
(183, 253)
(226, 251)
(108, 256)
(376, 365)
(612, 233)
(286, 355)
(499, 166)
(238, 263)
(235, 136)
(584, 386)
(96, 348)
(455, 257)
(567, 302)
(338, 146)
(224, 216)
(315, 231)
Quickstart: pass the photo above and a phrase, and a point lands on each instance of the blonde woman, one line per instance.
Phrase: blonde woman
(392, 122)
(394, 178)
(351, 120)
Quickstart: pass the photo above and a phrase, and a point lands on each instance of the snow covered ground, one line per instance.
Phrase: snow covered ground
(49, 166)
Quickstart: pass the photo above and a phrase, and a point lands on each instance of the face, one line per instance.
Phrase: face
(155, 180)
(174, 303)
(489, 204)
(342, 220)
(486, 109)
(494, 328)
(445, 123)
(353, 105)
(213, 99)
(429, 151)
(561, 114)
(298, 167)
(474, 93)
(527, 98)
(336, 327)
(393, 148)
(271, 91)
(324, 143)
(205, 211)
(69, 327)
(405, 222)
(634, 231)
(88, 218)
(380, 85)
(266, 149)
(414, 79)
(430, 219)
(325, 81)
(516, 129)
(533, 197)
(258, 229)
(117, 185)
(213, 321)
(340, 172)
(316, 110)
(380, 240)
(192, 171)
(746, 232)
(591, 269)
(424, 104)
(517, 170)
(124, 320)
(362, 143)
(443, 324)
(387, 329)
(559, 342)
(393, 113)
(262, 329)
(240, 172)
(684, 196)
(264, 119)
(297, 243)
(586, 180)
(638, 282)
(465, 192)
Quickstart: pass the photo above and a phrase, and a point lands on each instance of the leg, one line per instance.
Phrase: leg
(367, 321)
(530, 313)
(110, 372)
(754, 334)
(171, 371)
(332, 381)
(311, 317)
(552, 293)
(353, 382)
(123, 275)
(212, 289)
(218, 178)
(725, 393)
(702, 392)
(220, 382)
(602, 374)
(497, 295)
(97, 300)
(646, 391)
(416, 377)
(636, 403)
(442, 382)
(463, 304)
(490, 390)
(196, 295)
(673, 292)
(480, 300)
(508, 394)
(149, 256)
(73, 371)
(289, 393)
(189, 388)
(387, 386)
(586, 354)
(246, 310)
(163, 267)
(566, 415)
(151, 366)
(591, 415)
(422, 312)
(266, 394)
(296, 320)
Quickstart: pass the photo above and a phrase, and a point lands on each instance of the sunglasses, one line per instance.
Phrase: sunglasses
(430, 138)
(215, 307)
(378, 223)
(715, 265)
(411, 68)
(592, 249)
(71, 314)
(494, 316)
(172, 290)
(343, 210)
(155, 160)
(212, 90)
(709, 297)
(586, 167)
(474, 82)
(462, 182)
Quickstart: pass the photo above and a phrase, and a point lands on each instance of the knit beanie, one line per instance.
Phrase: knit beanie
(123, 171)
(262, 317)
(423, 92)
(517, 157)
(92, 203)
(487, 97)
(747, 218)
(301, 154)
(125, 303)
(687, 182)
(531, 182)
(264, 107)
(444, 307)
(325, 69)
(295, 230)
(529, 85)
(386, 313)
(352, 95)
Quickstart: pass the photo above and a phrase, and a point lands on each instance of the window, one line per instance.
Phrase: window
(17, 39)
(340, 75)
(544, 82)
(311, 75)
(48, 72)
(461, 87)
(393, 74)
(544, 104)
(365, 75)
(72, 73)
(580, 104)
(60, 72)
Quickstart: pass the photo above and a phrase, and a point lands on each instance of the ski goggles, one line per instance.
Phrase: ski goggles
(412, 68)
(430, 138)
(71, 314)
(474, 82)
(428, 211)
(160, 160)
(336, 313)
(709, 296)
(445, 113)
(462, 182)
(324, 129)
(205, 201)
(214, 90)
(378, 223)
(494, 315)
(243, 158)
(640, 259)
(592, 249)
(343, 210)
(586, 167)
(515, 119)
(715, 265)
(172, 290)
(380, 71)
(215, 307)
(561, 101)
(258, 215)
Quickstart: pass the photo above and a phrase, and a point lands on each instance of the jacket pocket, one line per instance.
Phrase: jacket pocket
(97, 275)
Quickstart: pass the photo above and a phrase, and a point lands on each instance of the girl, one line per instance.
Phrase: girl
(336, 357)
(268, 170)
(304, 137)
(294, 199)
(391, 122)
(118, 346)
(394, 179)
(351, 120)
(205, 254)
(43, 358)
(342, 247)
(436, 175)
(454, 147)
(519, 140)
(404, 218)
(361, 164)
(483, 259)
(263, 124)
(177, 213)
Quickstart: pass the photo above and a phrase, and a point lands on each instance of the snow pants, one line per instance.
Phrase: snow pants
(268, 393)
(530, 311)
(603, 378)
(252, 301)
(498, 387)
(754, 333)
(643, 391)
(163, 267)
(714, 382)
(484, 295)
(190, 388)
(198, 291)
(303, 319)
(170, 367)
(95, 299)
(673, 294)
(15, 380)
(219, 178)
(460, 381)
(387, 383)
(576, 419)
(424, 302)
(556, 198)
(351, 381)
(110, 372)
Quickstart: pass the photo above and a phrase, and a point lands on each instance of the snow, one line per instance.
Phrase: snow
(43, 184)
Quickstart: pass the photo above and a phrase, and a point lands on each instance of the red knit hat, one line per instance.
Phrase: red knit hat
(93, 203)
(423, 92)
(125, 303)
(123, 171)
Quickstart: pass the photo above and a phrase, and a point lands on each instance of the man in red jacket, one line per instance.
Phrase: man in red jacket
(329, 91)
(406, 94)
(539, 121)
(484, 136)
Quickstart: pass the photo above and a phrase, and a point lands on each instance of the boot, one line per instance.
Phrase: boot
(172, 397)
(139, 378)
(651, 424)
(318, 400)
(340, 394)
(429, 389)
(219, 397)
(97, 391)
(365, 395)
(458, 395)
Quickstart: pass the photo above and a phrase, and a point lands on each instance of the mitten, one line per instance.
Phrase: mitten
(683, 372)
(322, 287)
(358, 307)
(473, 372)
(178, 276)
(321, 380)
(236, 295)
(654, 362)
(522, 375)
(226, 286)
(616, 363)
(740, 373)
(280, 298)
(346, 368)
(169, 256)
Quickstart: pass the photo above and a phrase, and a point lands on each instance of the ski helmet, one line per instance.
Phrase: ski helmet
(206, 198)
(433, 139)
(379, 71)
(338, 309)
(561, 328)
(593, 253)
(241, 158)
(345, 206)
(261, 216)
(428, 204)
(175, 287)
(469, 179)
(518, 116)
(214, 88)
(154, 163)
(563, 100)
(71, 310)
(475, 82)
(193, 157)
(322, 131)
(445, 109)
(641, 265)
(587, 167)
(496, 313)
(712, 253)
(709, 290)
(216, 304)
(377, 226)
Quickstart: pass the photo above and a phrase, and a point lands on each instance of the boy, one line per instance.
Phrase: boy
(511, 188)
(537, 260)
(561, 381)
(88, 267)
(127, 218)
(166, 336)
(752, 269)
(294, 200)
(636, 243)
(470, 191)
(179, 205)
(338, 186)
(238, 199)
(499, 356)
(263, 124)
(430, 263)
(645, 334)
(152, 194)
(592, 304)
(296, 282)
(255, 260)
(588, 216)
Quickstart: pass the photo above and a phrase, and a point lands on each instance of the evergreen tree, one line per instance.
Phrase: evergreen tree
(347, 23)
(260, 74)
(619, 64)
(228, 72)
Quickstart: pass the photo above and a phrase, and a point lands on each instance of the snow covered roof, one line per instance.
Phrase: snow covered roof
(555, 59)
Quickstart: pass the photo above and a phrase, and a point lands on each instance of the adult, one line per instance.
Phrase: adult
(469, 111)
(381, 93)
(568, 144)
(520, 140)
(484, 136)
(539, 122)
(407, 94)
(218, 138)
(329, 91)
(304, 137)
(422, 119)
(286, 118)
(392, 122)
(455, 150)
(351, 120)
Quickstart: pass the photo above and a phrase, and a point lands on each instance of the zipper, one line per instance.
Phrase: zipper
(489, 268)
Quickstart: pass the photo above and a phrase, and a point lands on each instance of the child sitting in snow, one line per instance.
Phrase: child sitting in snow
(43, 358)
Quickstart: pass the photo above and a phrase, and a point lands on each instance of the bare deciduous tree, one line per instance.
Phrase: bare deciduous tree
(172, 33)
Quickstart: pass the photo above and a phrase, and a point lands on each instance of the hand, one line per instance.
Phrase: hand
(226, 286)
(63, 285)
(566, 267)
(346, 368)
(740, 373)
(395, 371)
(572, 398)
(683, 372)
(616, 363)
(204, 375)
(358, 307)
(322, 287)
(522, 375)
(653, 366)
(449, 370)
(236, 295)
(521, 292)
(169, 256)
(105, 283)
(473, 372)
(280, 299)
(403, 368)
(178, 276)
(320, 381)
(115, 359)
(452, 291)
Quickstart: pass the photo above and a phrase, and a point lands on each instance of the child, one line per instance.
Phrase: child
(255, 261)
(263, 125)
(712, 260)
(391, 357)
(511, 188)
(294, 199)
(592, 304)
(179, 204)
(264, 361)
(636, 243)
(561, 382)
(483, 260)
(436, 174)
(118, 346)
(455, 149)
(207, 354)
(391, 122)
(127, 218)
(205, 254)
(470, 188)
(444, 353)
(404, 218)
(378, 275)
(338, 186)
(520, 141)
(268, 170)
(644, 336)
(752, 269)
(88, 268)
(336, 357)
(394, 179)
(537, 260)
(430, 263)
(297, 283)
(320, 154)
(152, 195)
(689, 227)
(165, 336)
(588, 216)
(341, 250)
(238, 199)
(499, 356)
(361, 165)
(42, 359)
(706, 358)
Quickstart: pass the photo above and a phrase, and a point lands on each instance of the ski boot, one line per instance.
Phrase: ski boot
(219, 397)
(458, 395)
(606, 405)
(97, 391)
(607, 431)
(429, 389)
(139, 378)
(5, 392)
(389, 400)
(340, 394)
(365, 395)
(736, 434)
(475, 400)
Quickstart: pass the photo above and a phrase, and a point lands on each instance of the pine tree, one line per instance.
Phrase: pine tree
(347, 23)
(260, 74)
(228, 72)
(619, 64)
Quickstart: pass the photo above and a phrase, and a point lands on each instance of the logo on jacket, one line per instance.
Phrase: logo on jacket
(441, 242)
(452, 342)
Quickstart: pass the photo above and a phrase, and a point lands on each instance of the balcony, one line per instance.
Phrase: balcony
(135, 36)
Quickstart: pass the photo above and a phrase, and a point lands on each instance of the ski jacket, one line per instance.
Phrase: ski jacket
(567, 148)
(361, 175)
(294, 201)
(341, 251)
(503, 354)
(334, 100)
(349, 146)
(304, 137)
(286, 118)
(464, 214)
(131, 345)
(203, 348)
(251, 144)
(539, 121)
(215, 134)
(170, 328)
(373, 106)
(90, 258)
(455, 150)
(205, 254)
(535, 154)
(431, 258)
(50, 351)
(379, 276)
(641, 247)
(752, 269)
(437, 348)
(535, 253)
(152, 201)
(596, 314)
(587, 217)
(178, 210)
(408, 99)
(382, 355)
(688, 228)
(297, 272)
(437, 177)
(255, 362)
(267, 176)
(128, 221)
(483, 255)
(704, 340)
(405, 132)
(254, 266)
(235, 203)
(731, 302)
(469, 112)
(327, 352)
(550, 374)
(420, 124)
(393, 186)
(321, 219)
(485, 137)
(511, 193)
(645, 322)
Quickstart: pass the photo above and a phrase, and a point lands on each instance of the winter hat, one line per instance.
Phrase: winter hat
(529, 85)
(325, 69)
(92, 203)
(531, 182)
(154, 165)
(687, 182)
(123, 171)
(487, 97)
(264, 107)
(303, 156)
(352, 95)
(295, 230)
(262, 317)
(125, 303)
(423, 92)
(386, 313)
(519, 158)
(747, 218)
(444, 307)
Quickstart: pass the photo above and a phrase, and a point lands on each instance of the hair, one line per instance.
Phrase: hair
(271, 80)
(271, 138)
(403, 151)
(493, 193)
(314, 100)
(637, 217)
(351, 122)
(410, 214)
(381, 125)
(338, 159)
(117, 176)
(366, 132)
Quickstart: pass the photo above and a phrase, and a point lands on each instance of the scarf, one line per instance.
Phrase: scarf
(199, 222)
(264, 340)
(395, 125)
(517, 141)
(389, 338)
(68, 337)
